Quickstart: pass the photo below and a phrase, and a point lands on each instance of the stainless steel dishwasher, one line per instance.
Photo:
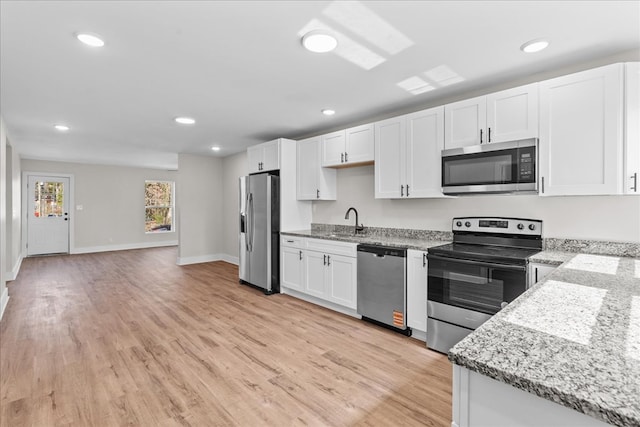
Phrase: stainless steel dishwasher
(382, 286)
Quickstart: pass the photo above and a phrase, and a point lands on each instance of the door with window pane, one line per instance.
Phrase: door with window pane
(47, 215)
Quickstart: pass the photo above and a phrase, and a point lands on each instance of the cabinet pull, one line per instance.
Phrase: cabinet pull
(536, 278)
(328, 259)
(402, 191)
(289, 241)
(341, 157)
(324, 257)
(407, 190)
(300, 255)
(346, 157)
(480, 136)
(317, 194)
(489, 135)
(542, 179)
(424, 259)
(635, 182)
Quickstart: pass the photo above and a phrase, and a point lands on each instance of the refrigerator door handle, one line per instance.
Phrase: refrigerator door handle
(251, 224)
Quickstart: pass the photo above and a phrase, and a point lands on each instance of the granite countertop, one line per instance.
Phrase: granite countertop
(573, 338)
(553, 258)
(418, 242)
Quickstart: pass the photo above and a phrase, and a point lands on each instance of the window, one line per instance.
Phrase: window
(48, 199)
(158, 201)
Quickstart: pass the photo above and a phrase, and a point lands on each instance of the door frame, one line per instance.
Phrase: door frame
(25, 207)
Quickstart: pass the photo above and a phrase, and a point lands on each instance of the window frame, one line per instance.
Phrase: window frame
(172, 206)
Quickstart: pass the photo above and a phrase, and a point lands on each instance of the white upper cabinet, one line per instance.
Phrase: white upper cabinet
(507, 115)
(407, 155)
(313, 181)
(264, 157)
(631, 181)
(581, 133)
(348, 147)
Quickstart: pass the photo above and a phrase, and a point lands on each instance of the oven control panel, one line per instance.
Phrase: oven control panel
(531, 227)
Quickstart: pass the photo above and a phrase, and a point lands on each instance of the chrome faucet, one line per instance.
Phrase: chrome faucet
(358, 228)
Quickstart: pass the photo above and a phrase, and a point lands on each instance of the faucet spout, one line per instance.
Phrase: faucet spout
(357, 228)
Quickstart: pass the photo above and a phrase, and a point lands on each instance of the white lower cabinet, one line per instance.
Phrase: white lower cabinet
(537, 272)
(417, 290)
(320, 268)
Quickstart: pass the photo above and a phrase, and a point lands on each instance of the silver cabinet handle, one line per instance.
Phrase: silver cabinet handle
(407, 190)
(402, 191)
(480, 136)
(424, 259)
(289, 241)
(328, 259)
(325, 259)
(542, 179)
(317, 194)
(635, 182)
(489, 135)
(346, 157)
(341, 157)
(300, 255)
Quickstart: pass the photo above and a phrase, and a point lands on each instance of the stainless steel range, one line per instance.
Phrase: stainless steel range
(471, 279)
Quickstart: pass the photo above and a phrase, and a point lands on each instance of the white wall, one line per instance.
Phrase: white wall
(14, 213)
(233, 168)
(112, 199)
(613, 218)
(4, 294)
(200, 214)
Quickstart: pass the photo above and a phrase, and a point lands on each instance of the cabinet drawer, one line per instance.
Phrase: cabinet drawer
(331, 247)
(292, 242)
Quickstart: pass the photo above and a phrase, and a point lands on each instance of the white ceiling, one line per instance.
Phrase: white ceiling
(238, 67)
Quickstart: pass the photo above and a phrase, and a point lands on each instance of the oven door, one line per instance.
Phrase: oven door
(474, 285)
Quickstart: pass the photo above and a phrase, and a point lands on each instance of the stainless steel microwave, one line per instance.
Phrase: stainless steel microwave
(502, 167)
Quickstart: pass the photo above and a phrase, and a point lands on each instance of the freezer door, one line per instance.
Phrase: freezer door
(243, 247)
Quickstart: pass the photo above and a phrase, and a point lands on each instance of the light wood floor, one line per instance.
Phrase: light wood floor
(129, 338)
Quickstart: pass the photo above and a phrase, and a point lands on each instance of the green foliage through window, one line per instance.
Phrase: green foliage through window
(158, 201)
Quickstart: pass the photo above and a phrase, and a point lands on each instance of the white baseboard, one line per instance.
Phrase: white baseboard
(207, 258)
(11, 275)
(230, 259)
(4, 300)
(125, 247)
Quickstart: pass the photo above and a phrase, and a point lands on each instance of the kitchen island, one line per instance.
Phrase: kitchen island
(571, 341)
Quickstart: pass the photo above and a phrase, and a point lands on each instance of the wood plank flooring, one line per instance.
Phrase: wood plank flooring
(129, 338)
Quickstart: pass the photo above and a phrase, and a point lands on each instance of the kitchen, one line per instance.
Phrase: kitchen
(356, 187)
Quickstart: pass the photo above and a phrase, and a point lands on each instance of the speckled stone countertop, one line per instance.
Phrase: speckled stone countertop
(420, 240)
(573, 338)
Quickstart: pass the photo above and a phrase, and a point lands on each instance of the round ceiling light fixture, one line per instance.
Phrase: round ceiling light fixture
(328, 112)
(185, 120)
(319, 41)
(215, 148)
(89, 39)
(533, 46)
(61, 128)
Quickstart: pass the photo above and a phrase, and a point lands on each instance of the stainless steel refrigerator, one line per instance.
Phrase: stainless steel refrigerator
(260, 231)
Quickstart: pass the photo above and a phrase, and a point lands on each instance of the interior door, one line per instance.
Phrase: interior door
(47, 215)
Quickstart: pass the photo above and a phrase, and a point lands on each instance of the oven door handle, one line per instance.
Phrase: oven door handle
(480, 263)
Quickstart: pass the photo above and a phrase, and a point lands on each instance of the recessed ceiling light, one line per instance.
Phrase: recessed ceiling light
(185, 120)
(319, 41)
(533, 46)
(215, 148)
(90, 39)
(328, 112)
(61, 128)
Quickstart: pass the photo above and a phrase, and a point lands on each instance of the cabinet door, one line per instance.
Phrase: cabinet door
(581, 133)
(537, 272)
(359, 147)
(342, 280)
(333, 145)
(425, 141)
(254, 158)
(307, 171)
(465, 122)
(631, 180)
(271, 155)
(513, 114)
(292, 268)
(417, 290)
(314, 270)
(389, 164)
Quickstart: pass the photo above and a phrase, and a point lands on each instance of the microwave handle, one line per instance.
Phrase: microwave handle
(480, 263)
